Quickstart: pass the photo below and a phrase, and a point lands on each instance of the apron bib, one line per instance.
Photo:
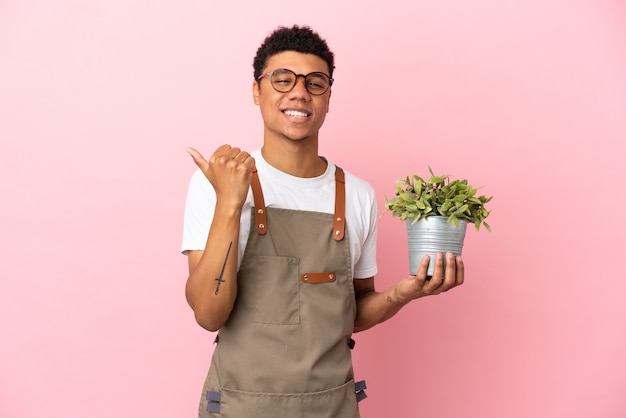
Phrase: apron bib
(285, 350)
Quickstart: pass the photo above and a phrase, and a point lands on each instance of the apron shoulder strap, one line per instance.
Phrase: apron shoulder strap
(339, 224)
(260, 216)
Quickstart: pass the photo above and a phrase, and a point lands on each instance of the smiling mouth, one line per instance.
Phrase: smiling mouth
(296, 113)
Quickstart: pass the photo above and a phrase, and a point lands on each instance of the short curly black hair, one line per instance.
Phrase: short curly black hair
(296, 38)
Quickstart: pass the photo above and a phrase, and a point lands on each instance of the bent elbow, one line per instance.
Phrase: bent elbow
(208, 321)
(358, 327)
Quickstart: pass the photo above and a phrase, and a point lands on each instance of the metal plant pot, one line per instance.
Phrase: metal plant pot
(431, 235)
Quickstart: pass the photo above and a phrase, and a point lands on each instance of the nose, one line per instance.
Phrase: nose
(300, 88)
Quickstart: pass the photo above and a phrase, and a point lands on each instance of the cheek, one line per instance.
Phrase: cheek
(325, 108)
(270, 110)
(322, 116)
(267, 103)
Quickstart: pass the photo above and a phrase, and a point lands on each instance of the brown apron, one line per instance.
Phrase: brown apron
(285, 350)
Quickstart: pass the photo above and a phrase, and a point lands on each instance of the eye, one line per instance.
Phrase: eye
(282, 77)
(317, 82)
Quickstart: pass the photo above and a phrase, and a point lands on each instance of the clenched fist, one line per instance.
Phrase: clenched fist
(229, 170)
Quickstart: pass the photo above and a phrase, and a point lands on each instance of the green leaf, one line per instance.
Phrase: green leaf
(416, 198)
(418, 187)
(460, 210)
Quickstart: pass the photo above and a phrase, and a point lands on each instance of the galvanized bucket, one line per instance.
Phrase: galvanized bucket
(431, 235)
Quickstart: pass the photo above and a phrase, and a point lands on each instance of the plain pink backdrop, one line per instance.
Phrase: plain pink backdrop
(98, 100)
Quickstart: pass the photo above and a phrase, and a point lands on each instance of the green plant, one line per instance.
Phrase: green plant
(416, 199)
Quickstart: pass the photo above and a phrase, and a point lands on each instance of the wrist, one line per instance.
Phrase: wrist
(396, 297)
(228, 210)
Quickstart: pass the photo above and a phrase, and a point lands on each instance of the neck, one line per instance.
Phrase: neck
(298, 159)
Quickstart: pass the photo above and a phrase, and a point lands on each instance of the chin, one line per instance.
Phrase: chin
(296, 138)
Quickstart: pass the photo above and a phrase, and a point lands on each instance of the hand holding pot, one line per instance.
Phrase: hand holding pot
(417, 286)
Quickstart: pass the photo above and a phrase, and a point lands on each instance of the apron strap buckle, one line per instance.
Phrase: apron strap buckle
(359, 389)
(214, 399)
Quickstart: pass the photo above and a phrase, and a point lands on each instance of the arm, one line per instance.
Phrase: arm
(211, 287)
(376, 307)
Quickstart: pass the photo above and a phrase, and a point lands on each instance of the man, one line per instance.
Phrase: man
(281, 251)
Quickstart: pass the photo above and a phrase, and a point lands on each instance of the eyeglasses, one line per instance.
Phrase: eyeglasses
(284, 80)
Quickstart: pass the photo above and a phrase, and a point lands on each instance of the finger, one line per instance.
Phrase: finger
(197, 158)
(449, 280)
(434, 284)
(438, 270)
(245, 161)
(250, 162)
(233, 152)
(460, 271)
(222, 153)
(241, 156)
(225, 155)
(222, 149)
(422, 270)
(241, 161)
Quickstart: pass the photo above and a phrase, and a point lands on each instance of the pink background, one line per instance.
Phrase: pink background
(98, 100)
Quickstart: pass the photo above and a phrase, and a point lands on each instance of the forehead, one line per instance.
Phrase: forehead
(297, 62)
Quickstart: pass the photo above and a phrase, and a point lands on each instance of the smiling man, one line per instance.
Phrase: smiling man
(281, 247)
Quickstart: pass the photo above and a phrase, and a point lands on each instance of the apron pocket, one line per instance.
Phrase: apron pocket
(273, 296)
(339, 402)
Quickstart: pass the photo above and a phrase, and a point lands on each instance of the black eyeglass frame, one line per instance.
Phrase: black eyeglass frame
(330, 80)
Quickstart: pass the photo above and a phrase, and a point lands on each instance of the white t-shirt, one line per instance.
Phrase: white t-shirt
(281, 190)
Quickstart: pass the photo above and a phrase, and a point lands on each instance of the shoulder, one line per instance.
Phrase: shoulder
(199, 181)
(357, 186)
(200, 190)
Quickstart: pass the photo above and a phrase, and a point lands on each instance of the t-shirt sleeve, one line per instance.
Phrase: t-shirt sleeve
(199, 210)
(366, 265)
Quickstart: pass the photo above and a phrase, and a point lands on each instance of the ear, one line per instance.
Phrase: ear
(330, 92)
(255, 92)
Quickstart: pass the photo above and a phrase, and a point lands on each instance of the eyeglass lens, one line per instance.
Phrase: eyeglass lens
(283, 80)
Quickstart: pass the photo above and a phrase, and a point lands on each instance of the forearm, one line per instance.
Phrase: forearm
(211, 288)
(376, 307)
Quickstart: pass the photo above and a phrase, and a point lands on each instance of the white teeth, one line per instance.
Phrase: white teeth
(295, 113)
